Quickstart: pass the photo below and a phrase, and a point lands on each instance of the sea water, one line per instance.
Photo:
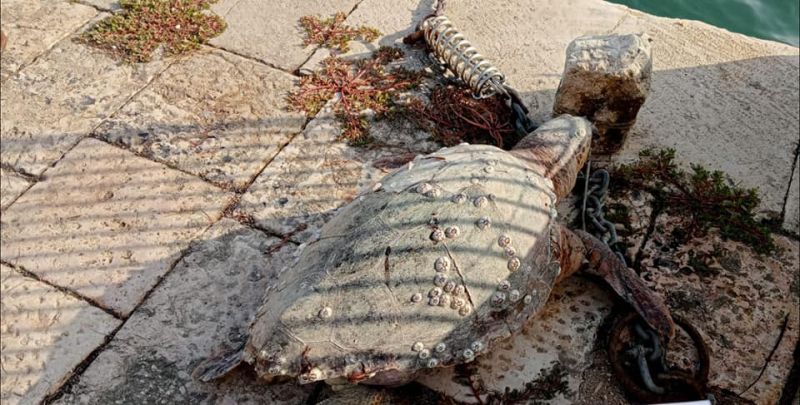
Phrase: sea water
(778, 20)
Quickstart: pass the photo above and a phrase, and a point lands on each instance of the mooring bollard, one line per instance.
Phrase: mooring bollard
(606, 79)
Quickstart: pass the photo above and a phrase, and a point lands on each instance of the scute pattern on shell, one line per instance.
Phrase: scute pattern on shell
(373, 291)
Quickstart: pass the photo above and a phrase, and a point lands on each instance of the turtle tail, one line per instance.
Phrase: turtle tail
(216, 367)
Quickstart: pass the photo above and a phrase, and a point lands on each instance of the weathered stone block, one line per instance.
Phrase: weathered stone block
(60, 98)
(279, 42)
(202, 309)
(34, 26)
(45, 334)
(217, 115)
(606, 79)
(744, 304)
(107, 224)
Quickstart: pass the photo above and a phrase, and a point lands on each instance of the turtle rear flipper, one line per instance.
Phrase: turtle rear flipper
(603, 262)
(219, 366)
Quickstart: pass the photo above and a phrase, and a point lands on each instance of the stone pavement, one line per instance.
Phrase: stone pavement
(146, 208)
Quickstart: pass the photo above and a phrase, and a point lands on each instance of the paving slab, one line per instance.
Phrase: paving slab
(61, 97)
(279, 42)
(203, 308)
(34, 26)
(562, 335)
(45, 334)
(214, 114)
(107, 224)
(791, 219)
(316, 174)
(12, 186)
(737, 299)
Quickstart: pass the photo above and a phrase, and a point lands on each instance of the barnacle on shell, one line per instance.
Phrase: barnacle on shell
(442, 264)
(504, 240)
(483, 223)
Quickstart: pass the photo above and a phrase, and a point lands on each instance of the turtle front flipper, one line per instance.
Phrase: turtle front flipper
(219, 366)
(603, 262)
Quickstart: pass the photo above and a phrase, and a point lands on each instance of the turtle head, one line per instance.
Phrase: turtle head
(557, 150)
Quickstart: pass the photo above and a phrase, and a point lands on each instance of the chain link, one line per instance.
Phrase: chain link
(593, 205)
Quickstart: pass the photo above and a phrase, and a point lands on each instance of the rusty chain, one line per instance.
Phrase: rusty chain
(633, 345)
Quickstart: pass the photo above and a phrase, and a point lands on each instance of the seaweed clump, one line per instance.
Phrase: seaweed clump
(702, 199)
(453, 116)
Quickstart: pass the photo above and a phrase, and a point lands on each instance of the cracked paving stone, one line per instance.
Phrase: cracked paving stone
(45, 334)
(34, 26)
(60, 98)
(202, 309)
(564, 332)
(315, 174)
(279, 42)
(107, 224)
(216, 115)
(12, 186)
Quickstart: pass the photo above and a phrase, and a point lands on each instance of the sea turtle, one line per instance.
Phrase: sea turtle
(444, 258)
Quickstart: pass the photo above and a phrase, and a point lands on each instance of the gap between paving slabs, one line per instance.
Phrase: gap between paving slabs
(45, 333)
(201, 309)
(114, 226)
(34, 27)
(61, 97)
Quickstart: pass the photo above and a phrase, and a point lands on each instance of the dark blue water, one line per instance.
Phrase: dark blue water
(778, 20)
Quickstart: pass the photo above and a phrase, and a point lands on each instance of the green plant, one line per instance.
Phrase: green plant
(142, 26)
(702, 198)
(361, 85)
(333, 33)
